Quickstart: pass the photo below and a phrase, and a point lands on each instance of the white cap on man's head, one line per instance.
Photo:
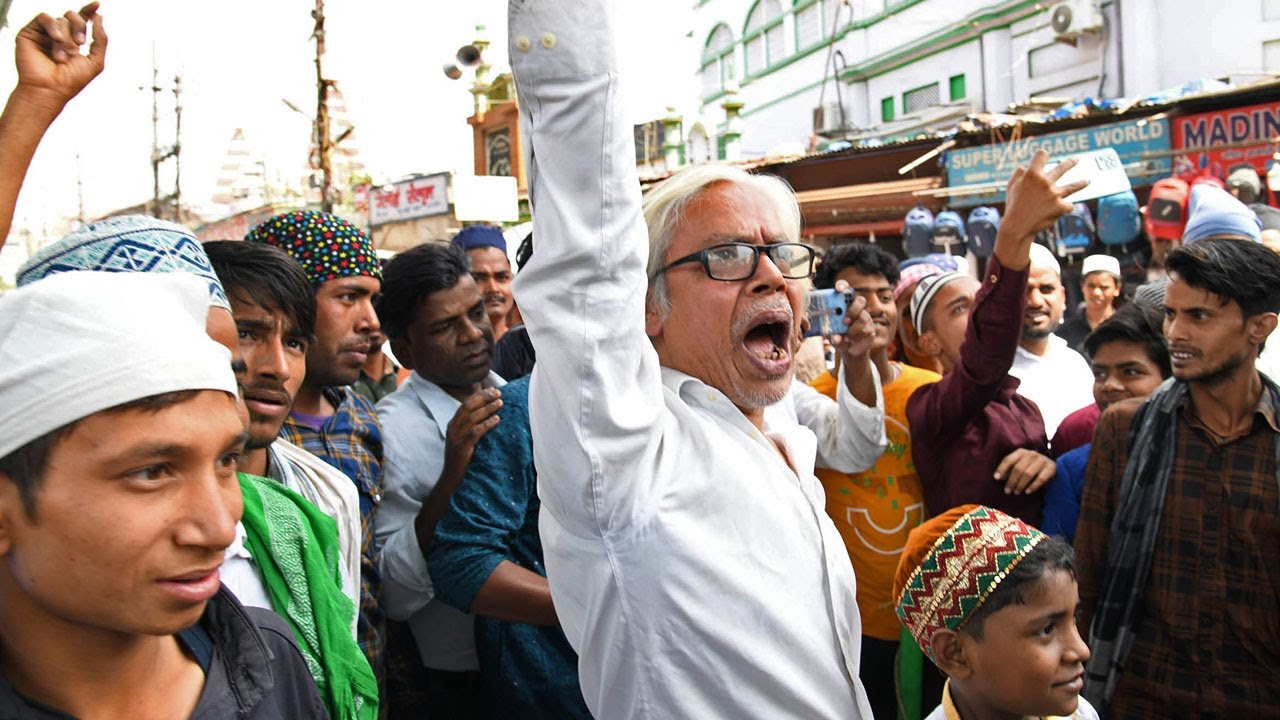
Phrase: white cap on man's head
(1100, 263)
(78, 343)
(1042, 259)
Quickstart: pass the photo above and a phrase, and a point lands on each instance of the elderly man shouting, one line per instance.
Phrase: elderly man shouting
(690, 560)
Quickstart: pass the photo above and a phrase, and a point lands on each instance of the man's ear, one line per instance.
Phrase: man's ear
(653, 320)
(949, 654)
(1260, 326)
(10, 503)
(929, 344)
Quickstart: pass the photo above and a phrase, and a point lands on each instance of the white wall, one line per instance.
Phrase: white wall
(1151, 45)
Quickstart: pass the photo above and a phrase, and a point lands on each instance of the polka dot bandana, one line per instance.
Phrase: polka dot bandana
(127, 243)
(326, 246)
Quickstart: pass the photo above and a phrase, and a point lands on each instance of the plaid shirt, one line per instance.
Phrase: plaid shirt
(1208, 643)
(351, 440)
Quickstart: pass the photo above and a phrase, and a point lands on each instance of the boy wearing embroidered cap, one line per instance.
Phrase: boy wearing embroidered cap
(118, 498)
(992, 601)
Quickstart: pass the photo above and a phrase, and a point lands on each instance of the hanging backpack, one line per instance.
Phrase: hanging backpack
(916, 231)
(1119, 221)
(984, 223)
(1075, 231)
(949, 237)
(1167, 209)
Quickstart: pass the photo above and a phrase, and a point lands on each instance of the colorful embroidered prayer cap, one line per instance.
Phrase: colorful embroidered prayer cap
(951, 565)
(128, 243)
(326, 246)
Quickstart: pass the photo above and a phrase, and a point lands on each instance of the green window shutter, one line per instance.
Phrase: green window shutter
(886, 109)
(957, 87)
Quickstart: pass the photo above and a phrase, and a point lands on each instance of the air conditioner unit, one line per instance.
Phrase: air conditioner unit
(1072, 18)
(829, 120)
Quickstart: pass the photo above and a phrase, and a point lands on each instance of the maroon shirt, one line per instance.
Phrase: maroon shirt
(1075, 430)
(963, 425)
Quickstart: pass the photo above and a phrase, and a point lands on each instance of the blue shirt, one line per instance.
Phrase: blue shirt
(1062, 497)
(493, 516)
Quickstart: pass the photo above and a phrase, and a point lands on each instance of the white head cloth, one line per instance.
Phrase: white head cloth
(81, 342)
(1042, 259)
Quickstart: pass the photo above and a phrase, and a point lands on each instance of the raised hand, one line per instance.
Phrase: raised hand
(47, 53)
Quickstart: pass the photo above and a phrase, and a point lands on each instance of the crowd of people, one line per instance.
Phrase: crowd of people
(221, 496)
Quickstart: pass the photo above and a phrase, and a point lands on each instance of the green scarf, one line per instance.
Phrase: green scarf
(295, 547)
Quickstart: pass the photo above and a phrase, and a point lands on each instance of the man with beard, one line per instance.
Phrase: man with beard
(328, 419)
(683, 531)
(1178, 522)
(974, 437)
(486, 248)
(437, 323)
(1053, 376)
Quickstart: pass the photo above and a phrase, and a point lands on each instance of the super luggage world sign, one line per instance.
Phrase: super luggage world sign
(994, 164)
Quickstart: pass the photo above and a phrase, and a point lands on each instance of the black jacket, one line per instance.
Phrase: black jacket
(256, 671)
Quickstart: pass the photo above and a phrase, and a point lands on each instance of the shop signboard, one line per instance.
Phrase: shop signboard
(992, 165)
(409, 200)
(1250, 131)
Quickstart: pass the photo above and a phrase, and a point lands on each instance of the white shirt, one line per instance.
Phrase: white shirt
(1059, 382)
(415, 419)
(240, 574)
(695, 573)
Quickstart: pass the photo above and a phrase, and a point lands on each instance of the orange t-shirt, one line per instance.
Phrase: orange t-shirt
(874, 510)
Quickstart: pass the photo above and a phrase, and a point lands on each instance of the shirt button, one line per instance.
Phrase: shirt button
(993, 279)
(1206, 620)
(548, 41)
(711, 397)
(377, 497)
(522, 44)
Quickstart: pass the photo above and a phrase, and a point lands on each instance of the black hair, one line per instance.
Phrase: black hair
(1052, 553)
(1135, 323)
(1244, 272)
(413, 275)
(25, 466)
(524, 251)
(866, 259)
(266, 276)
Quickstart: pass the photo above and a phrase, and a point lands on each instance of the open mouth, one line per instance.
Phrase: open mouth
(768, 341)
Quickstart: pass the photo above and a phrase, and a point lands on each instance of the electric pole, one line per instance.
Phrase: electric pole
(324, 147)
(160, 154)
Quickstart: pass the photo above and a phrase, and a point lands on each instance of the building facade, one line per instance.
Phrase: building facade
(814, 71)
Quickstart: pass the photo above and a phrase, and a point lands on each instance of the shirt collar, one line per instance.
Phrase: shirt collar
(442, 406)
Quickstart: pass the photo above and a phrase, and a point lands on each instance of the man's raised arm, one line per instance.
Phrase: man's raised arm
(596, 389)
(51, 71)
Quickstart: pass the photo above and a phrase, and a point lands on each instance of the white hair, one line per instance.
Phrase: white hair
(664, 206)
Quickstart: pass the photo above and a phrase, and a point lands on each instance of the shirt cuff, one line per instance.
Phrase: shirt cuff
(406, 584)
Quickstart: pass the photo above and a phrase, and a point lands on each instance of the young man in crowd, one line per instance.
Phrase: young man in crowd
(1051, 374)
(1129, 360)
(438, 324)
(973, 436)
(1101, 285)
(1176, 571)
(118, 498)
(329, 419)
(379, 376)
(874, 510)
(486, 249)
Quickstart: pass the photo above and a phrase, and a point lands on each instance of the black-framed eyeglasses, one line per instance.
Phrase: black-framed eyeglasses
(738, 261)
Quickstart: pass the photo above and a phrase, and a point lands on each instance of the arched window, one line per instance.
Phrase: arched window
(699, 145)
(717, 60)
(816, 20)
(763, 40)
